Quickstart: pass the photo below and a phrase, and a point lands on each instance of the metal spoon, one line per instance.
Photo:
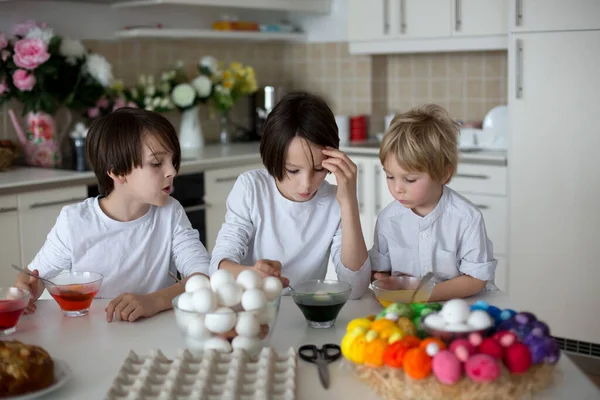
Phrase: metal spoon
(422, 284)
(32, 274)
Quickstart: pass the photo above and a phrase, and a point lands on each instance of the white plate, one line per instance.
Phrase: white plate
(62, 373)
(497, 120)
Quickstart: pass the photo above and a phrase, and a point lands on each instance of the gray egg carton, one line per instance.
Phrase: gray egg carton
(209, 375)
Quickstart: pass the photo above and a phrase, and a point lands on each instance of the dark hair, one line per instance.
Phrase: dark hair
(298, 114)
(114, 143)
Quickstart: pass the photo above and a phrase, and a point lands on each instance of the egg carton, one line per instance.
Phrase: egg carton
(208, 375)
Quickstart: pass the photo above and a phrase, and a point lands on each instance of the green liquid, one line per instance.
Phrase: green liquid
(320, 311)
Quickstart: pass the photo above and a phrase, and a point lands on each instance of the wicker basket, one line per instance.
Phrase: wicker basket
(7, 156)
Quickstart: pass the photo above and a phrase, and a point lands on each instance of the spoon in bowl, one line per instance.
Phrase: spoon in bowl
(422, 284)
(32, 274)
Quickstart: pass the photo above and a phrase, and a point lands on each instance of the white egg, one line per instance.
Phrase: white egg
(184, 302)
(197, 329)
(456, 311)
(435, 321)
(457, 327)
(220, 321)
(250, 345)
(249, 279)
(183, 320)
(229, 294)
(253, 299)
(220, 277)
(194, 345)
(247, 325)
(272, 287)
(14, 293)
(218, 344)
(266, 315)
(196, 282)
(479, 319)
(204, 300)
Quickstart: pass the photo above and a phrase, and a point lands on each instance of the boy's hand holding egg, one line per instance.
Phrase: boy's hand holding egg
(270, 268)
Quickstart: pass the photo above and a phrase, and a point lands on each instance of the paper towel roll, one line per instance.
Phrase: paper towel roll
(343, 124)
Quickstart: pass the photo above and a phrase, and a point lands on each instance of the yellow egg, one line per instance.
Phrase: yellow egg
(396, 336)
(358, 322)
(381, 324)
(407, 326)
(387, 333)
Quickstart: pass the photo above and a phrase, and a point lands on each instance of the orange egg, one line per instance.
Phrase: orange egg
(374, 352)
(417, 364)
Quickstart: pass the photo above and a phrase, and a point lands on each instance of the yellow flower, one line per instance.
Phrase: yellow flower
(228, 83)
(226, 75)
(236, 66)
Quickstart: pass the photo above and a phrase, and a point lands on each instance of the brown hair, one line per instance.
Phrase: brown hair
(423, 139)
(114, 143)
(298, 114)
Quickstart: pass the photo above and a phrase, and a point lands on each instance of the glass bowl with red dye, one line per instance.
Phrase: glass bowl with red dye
(12, 304)
(74, 291)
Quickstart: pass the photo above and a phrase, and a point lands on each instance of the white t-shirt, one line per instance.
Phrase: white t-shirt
(133, 256)
(262, 224)
(450, 241)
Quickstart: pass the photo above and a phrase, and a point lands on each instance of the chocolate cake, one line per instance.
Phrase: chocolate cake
(24, 368)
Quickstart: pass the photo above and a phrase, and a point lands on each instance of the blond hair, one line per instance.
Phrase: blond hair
(423, 139)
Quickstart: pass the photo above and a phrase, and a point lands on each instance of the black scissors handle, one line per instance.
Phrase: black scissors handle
(328, 352)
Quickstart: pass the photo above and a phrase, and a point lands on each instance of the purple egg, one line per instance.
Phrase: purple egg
(508, 325)
(539, 329)
(507, 314)
(525, 317)
(552, 350)
(537, 347)
(522, 331)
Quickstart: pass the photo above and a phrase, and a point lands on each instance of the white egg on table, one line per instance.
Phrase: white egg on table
(457, 327)
(194, 345)
(479, 319)
(253, 299)
(220, 321)
(220, 277)
(266, 315)
(272, 287)
(184, 302)
(218, 344)
(196, 282)
(204, 300)
(456, 311)
(250, 344)
(247, 325)
(197, 329)
(229, 294)
(435, 321)
(249, 279)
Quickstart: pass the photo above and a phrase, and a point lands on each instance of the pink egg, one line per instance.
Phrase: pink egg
(462, 349)
(446, 367)
(482, 368)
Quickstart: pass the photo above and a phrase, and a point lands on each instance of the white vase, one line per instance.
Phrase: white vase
(191, 138)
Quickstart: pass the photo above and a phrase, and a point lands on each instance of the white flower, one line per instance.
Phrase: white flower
(147, 101)
(210, 63)
(72, 50)
(142, 80)
(156, 102)
(222, 89)
(202, 85)
(134, 93)
(165, 87)
(150, 80)
(165, 102)
(150, 90)
(149, 108)
(100, 69)
(45, 34)
(183, 95)
(179, 64)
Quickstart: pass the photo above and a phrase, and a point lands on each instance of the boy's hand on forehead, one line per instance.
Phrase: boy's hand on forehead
(345, 171)
(270, 268)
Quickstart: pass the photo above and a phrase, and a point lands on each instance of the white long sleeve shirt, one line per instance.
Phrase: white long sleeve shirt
(450, 241)
(133, 256)
(262, 224)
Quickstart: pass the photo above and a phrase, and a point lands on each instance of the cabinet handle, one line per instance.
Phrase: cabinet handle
(457, 15)
(386, 17)
(226, 179)
(199, 207)
(482, 206)
(8, 209)
(402, 17)
(518, 12)
(519, 74)
(57, 203)
(472, 176)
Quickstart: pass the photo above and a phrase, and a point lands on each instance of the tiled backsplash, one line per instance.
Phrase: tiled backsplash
(467, 84)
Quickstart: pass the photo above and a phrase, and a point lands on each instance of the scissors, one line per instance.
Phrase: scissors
(322, 357)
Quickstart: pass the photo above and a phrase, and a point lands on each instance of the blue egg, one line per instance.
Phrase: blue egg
(507, 314)
(480, 305)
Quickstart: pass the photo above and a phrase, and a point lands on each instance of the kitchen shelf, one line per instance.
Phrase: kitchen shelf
(312, 6)
(156, 33)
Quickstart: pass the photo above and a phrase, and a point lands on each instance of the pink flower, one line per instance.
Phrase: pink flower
(30, 53)
(3, 87)
(23, 28)
(23, 80)
(119, 103)
(4, 54)
(93, 112)
(102, 103)
(41, 125)
(3, 41)
(131, 104)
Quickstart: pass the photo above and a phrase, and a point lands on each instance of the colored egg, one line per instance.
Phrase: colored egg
(446, 367)
(482, 368)
(417, 308)
(407, 326)
(400, 309)
(480, 305)
(507, 314)
(435, 306)
(362, 322)
(525, 317)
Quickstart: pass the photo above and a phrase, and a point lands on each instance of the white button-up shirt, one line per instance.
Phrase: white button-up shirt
(450, 241)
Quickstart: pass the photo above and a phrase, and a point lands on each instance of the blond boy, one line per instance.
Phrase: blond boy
(430, 227)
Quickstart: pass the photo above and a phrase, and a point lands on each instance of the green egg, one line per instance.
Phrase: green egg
(435, 306)
(381, 314)
(425, 311)
(400, 309)
(418, 307)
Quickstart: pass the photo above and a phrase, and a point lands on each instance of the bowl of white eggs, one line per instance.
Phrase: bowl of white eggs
(227, 313)
(456, 320)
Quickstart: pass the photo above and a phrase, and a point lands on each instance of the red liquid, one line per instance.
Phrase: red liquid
(71, 300)
(9, 319)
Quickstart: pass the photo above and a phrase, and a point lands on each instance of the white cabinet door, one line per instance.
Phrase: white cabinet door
(9, 239)
(424, 18)
(495, 213)
(37, 215)
(369, 20)
(384, 197)
(480, 18)
(553, 177)
(554, 15)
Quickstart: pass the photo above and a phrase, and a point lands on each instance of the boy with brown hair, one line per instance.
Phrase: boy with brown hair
(134, 232)
(430, 228)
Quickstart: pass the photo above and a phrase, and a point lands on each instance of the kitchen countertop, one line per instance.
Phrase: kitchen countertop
(22, 178)
(95, 349)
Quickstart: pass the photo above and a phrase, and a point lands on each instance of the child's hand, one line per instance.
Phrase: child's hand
(130, 306)
(33, 285)
(379, 275)
(270, 268)
(345, 173)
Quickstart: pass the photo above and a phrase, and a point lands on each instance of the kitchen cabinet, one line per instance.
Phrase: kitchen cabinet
(555, 15)
(553, 177)
(310, 6)
(406, 26)
(217, 185)
(9, 239)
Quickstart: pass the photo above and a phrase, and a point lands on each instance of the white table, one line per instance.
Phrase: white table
(95, 349)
